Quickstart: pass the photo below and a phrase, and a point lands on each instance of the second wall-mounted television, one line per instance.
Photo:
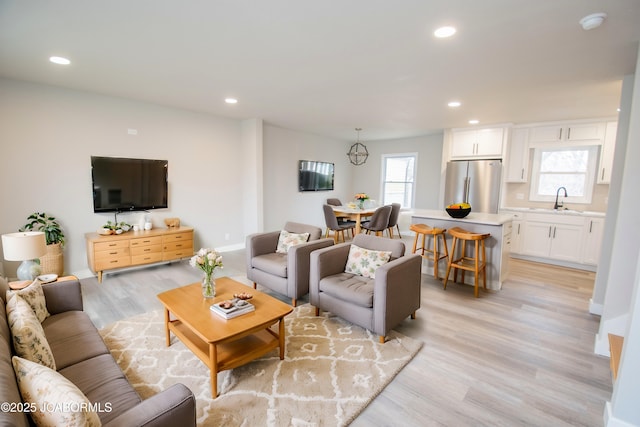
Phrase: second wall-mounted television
(121, 184)
(315, 176)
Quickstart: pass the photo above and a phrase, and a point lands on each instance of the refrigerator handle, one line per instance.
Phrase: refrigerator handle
(466, 189)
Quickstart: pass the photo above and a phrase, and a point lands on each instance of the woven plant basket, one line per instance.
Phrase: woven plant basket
(52, 262)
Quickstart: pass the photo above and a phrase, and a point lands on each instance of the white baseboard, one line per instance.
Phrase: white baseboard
(610, 420)
(595, 308)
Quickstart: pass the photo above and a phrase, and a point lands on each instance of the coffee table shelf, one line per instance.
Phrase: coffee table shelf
(230, 354)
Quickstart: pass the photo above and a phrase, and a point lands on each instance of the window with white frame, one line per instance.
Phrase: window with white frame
(398, 179)
(572, 167)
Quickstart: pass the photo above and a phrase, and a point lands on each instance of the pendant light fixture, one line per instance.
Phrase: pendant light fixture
(358, 153)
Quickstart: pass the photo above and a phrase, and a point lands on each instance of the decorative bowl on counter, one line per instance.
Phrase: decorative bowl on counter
(458, 210)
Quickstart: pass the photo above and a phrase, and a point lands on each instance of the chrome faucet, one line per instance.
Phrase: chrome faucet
(559, 205)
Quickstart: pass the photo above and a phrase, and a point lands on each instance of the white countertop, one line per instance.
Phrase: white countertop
(557, 212)
(473, 217)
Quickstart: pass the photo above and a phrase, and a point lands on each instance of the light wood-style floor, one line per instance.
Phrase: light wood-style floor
(519, 356)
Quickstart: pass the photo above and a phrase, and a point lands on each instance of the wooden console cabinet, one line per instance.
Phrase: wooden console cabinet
(137, 248)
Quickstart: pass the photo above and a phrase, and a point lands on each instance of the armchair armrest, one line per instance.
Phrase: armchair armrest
(397, 289)
(261, 244)
(323, 263)
(63, 296)
(298, 263)
(175, 406)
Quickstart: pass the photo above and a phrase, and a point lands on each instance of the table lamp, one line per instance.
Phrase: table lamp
(25, 247)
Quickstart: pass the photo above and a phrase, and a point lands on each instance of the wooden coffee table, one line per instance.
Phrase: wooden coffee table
(223, 344)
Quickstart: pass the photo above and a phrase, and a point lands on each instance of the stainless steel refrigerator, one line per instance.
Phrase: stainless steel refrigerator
(476, 182)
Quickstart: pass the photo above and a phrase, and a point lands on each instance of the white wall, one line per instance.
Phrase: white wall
(367, 177)
(283, 148)
(48, 134)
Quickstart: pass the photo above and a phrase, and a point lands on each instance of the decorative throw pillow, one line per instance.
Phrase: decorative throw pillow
(56, 400)
(364, 262)
(29, 340)
(34, 295)
(286, 240)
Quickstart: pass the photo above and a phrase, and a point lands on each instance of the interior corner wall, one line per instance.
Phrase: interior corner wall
(252, 194)
(48, 135)
(622, 136)
(367, 177)
(283, 148)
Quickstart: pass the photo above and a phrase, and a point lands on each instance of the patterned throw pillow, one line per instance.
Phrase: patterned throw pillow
(286, 240)
(34, 295)
(364, 262)
(29, 340)
(56, 400)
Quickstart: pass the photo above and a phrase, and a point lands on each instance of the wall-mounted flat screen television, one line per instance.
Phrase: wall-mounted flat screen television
(315, 176)
(121, 184)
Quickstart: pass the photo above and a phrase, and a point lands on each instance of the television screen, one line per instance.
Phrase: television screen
(315, 176)
(121, 184)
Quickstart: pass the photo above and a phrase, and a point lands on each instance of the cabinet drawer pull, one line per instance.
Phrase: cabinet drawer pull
(112, 244)
(113, 253)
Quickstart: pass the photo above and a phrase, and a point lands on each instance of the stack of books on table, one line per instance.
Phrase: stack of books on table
(238, 308)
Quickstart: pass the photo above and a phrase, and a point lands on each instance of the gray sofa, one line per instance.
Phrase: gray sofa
(377, 304)
(82, 357)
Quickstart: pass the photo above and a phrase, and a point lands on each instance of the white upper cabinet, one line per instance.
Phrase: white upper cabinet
(517, 167)
(477, 143)
(606, 153)
(575, 132)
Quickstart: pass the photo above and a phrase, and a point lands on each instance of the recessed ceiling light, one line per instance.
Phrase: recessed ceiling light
(592, 21)
(443, 32)
(454, 104)
(231, 100)
(474, 122)
(59, 60)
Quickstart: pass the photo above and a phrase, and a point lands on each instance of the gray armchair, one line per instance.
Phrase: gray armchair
(377, 304)
(285, 273)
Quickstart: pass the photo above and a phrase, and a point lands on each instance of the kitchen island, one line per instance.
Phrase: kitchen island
(498, 246)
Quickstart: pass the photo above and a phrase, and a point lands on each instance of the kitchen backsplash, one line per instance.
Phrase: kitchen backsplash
(510, 199)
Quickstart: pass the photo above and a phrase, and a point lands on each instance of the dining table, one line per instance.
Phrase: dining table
(354, 214)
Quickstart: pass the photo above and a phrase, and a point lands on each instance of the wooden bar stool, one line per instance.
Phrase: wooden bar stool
(433, 254)
(477, 263)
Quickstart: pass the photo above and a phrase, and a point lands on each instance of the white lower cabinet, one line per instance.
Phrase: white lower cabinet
(557, 237)
(593, 242)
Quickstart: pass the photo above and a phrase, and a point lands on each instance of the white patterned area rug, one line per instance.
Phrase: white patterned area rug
(331, 371)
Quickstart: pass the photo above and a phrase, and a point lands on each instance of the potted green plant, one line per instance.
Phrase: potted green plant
(53, 261)
(116, 228)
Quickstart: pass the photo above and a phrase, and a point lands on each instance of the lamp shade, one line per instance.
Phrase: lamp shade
(24, 245)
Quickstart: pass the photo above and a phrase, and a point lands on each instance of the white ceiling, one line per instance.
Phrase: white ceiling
(329, 66)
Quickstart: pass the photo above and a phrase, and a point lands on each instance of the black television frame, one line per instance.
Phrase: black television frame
(312, 178)
(148, 174)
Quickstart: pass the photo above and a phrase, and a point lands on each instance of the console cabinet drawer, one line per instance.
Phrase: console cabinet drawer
(112, 254)
(146, 250)
(178, 237)
(146, 258)
(177, 254)
(114, 244)
(113, 262)
(145, 241)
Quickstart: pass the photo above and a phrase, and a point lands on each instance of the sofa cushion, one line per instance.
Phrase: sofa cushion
(34, 295)
(56, 400)
(348, 287)
(287, 239)
(29, 339)
(364, 262)
(9, 392)
(101, 380)
(73, 338)
(273, 263)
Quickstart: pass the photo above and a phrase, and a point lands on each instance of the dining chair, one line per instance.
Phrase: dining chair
(338, 228)
(393, 220)
(379, 221)
(334, 202)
